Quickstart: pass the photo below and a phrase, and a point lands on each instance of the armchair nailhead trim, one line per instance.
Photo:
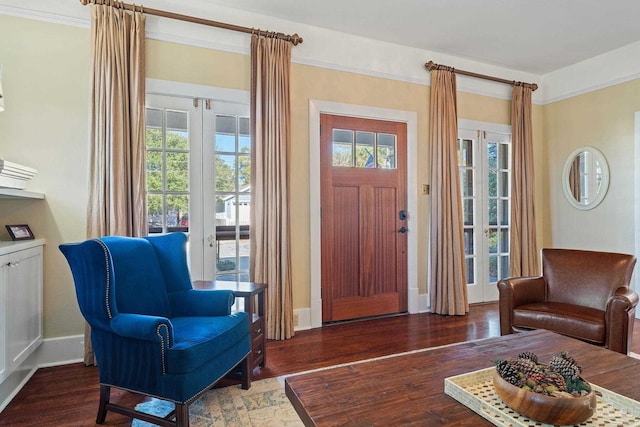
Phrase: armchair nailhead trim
(108, 270)
(164, 365)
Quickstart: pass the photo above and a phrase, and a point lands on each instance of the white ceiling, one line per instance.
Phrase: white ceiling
(534, 36)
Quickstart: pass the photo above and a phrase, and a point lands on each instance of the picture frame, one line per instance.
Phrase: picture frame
(20, 232)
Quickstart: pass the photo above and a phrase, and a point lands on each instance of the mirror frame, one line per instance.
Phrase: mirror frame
(604, 185)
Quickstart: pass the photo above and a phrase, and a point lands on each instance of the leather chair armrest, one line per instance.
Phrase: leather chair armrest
(619, 320)
(201, 302)
(143, 327)
(517, 291)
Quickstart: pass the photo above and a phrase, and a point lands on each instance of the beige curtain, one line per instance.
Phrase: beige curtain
(447, 264)
(523, 246)
(270, 247)
(117, 204)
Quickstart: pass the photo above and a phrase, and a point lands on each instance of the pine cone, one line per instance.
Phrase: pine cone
(557, 380)
(570, 359)
(527, 366)
(528, 355)
(565, 367)
(508, 372)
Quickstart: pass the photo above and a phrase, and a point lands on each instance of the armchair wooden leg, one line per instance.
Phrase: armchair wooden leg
(105, 392)
(245, 368)
(182, 415)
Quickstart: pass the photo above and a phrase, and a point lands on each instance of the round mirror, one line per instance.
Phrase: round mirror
(586, 178)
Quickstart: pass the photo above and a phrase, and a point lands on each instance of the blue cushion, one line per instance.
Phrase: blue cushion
(200, 339)
(171, 250)
(138, 282)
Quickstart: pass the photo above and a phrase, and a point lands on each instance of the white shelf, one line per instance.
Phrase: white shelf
(12, 193)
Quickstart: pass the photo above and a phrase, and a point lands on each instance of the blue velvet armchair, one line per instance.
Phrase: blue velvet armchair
(151, 332)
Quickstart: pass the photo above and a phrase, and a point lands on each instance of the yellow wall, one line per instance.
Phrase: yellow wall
(603, 119)
(46, 126)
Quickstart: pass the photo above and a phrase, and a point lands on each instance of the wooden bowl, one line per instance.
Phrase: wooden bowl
(545, 409)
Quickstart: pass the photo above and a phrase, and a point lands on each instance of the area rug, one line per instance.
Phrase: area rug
(263, 405)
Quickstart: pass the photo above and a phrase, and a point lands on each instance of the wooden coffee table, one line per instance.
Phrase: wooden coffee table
(409, 389)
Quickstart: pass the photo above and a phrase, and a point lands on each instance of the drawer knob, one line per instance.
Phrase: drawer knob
(258, 352)
(259, 330)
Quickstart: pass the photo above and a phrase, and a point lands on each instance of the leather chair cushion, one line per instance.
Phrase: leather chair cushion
(572, 320)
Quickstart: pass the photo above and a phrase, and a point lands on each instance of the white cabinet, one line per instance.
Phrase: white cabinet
(20, 302)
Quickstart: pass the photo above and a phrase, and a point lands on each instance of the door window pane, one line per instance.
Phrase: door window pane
(177, 171)
(365, 150)
(386, 151)
(167, 170)
(465, 153)
(232, 197)
(467, 182)
(244, 135)
(492, 155)
(471, 272)
(342, 148)
(177, 130)
(225, 173)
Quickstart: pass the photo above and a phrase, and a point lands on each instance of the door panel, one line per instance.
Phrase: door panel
(364, 256)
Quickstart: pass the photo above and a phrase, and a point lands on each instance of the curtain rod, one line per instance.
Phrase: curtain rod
(433, 66)
(295, 39)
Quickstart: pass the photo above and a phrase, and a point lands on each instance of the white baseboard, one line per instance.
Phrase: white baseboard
(51, 352)
(303, 317)
(61, 351)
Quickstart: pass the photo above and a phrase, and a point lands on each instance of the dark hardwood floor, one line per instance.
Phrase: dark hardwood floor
(68, 395)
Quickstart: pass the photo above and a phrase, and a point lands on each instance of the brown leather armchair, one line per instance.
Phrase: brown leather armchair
(581, 294)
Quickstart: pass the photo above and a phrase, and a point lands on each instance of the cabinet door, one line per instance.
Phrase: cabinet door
(23, 305)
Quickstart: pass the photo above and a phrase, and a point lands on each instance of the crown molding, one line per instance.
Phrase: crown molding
(348, 53)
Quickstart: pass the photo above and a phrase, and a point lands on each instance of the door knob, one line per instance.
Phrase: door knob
(403, 230)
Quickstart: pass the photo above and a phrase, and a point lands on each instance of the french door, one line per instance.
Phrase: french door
(485, 179)
(198, 172)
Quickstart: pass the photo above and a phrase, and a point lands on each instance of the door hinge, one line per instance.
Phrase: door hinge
(207, 104)
(196, 102)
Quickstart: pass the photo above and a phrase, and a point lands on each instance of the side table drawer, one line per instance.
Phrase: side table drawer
(257, 349)
(257, 342)
(257, 327)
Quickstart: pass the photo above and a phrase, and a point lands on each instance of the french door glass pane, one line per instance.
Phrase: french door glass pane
(504, 240)
(225, 173)
(177, 171)
(492, 235)
(504, 212)
(465, 153)
(492, 155)
(466, 183)
(468, 212)
(167, 170)
(232, 196)
(468, 241)
(470, 271)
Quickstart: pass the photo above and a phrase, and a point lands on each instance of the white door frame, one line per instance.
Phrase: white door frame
(317, 107)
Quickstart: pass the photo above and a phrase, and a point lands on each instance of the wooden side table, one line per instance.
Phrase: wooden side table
(253, 295)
